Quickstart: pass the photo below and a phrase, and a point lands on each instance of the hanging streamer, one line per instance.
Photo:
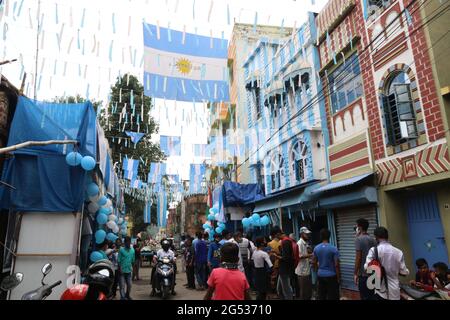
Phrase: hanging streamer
(255, 22)
(129, 25)
(82, 18)
(228, 14)
(210, 10)
(114, 22)
(111, 50)
(70, 45)
(56, 14)
(193, 9)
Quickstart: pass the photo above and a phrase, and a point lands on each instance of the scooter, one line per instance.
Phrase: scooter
(165, 277)
(41, 293)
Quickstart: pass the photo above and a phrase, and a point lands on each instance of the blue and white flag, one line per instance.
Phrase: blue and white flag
(130, 168)
(184, 66)
(136, 183)
(148, 212)
(157, 170)
(162, 209)
(173, 179)
(135, 136)
(197, 173)
(202, 150)
(171, 146)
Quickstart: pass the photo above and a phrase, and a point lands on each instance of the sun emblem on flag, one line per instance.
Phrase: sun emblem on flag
(184, 66)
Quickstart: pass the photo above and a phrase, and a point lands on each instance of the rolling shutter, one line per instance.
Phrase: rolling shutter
(345, 222)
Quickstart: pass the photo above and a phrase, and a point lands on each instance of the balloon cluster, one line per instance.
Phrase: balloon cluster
(110, 224)
(213, 218)
(256, 221)
(75, 159)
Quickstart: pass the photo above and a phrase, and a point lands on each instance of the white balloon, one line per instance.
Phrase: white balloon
(93, 207)
(112, 218)
(120, 221)
(116, 229)
(111, 224)
(108, 203)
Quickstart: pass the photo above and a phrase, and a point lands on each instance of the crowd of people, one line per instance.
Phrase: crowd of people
(278, 267)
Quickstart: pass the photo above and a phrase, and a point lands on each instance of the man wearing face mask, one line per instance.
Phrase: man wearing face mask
(363, 243)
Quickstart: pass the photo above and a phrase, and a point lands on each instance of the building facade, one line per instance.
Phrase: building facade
(388, 155)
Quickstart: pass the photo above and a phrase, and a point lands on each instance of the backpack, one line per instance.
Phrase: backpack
(377, 263)
(295, 252)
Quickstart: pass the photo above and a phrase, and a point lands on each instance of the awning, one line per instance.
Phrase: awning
(343, 183)
(295, 197)
(363, 196)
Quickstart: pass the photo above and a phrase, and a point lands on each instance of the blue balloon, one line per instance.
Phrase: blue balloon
(102, 218)
(222, 225)
(102, 201)
(255, 217)
(100, 236)
(74, 159)
(265, 221)
(211, 232)
(206, 226)
(214, 210)
(111, 237)
(105, 211)
(246, 222)
(88, 163)
(95, 256)
(219, 230)
(211, 217)
(92, 189)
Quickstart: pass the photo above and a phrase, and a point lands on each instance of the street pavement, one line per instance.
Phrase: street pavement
(141, 289)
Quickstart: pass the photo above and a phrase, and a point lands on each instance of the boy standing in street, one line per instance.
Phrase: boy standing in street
(227, 282)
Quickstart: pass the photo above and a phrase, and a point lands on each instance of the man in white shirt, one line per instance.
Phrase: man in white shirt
(303, 270)
(393, 262)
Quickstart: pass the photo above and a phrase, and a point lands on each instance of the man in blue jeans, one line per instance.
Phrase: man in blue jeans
(126, 260)
(201, 260)
(326, 258)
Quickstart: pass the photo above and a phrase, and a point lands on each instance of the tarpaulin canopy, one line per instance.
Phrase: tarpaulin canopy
(40, 174)
(236, 194)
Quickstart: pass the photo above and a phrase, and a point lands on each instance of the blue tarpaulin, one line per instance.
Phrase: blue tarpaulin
(40, 174)
(236, 195)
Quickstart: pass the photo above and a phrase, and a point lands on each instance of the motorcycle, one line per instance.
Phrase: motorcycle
(164, 277)
(41, 293)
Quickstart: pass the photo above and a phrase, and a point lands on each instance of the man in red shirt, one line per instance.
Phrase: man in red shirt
(227, 282)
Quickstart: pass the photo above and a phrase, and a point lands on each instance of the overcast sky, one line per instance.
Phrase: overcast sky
(64, 68)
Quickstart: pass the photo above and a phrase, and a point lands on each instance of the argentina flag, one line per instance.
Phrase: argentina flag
(183, 66)
(197, 173)
(171, 146)
(157, 169)
(148, 212)
(130, 168)
(161, 209)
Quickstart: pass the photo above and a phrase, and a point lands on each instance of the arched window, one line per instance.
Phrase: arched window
(277, 170)
(398, 108)
(299, 160)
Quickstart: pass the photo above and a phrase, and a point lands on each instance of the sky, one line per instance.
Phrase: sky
(84, 45)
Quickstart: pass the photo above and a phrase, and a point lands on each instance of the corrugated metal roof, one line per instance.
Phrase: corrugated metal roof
(343, 183)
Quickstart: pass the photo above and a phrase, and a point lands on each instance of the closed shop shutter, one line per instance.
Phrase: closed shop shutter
(345, 233)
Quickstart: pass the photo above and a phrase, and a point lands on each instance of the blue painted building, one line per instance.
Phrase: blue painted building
(285, 142)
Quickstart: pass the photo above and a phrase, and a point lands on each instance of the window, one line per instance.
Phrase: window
(298, 160)
(376, 7)
(345, 83)
(398, 108)
(255, 91)
(277, 171)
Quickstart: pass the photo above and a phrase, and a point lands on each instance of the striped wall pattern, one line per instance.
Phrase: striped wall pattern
(339, 35)
(430, 161)
(350, 158)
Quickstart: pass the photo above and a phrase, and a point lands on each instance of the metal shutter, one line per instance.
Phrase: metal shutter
(345, 222)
